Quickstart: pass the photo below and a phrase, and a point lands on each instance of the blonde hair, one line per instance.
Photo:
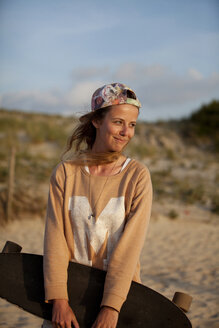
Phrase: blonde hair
(80, 143)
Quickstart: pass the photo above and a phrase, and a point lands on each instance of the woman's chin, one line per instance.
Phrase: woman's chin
(117, 147)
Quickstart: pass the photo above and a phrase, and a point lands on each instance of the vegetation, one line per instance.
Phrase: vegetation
(202, 127)
(40, 139)
(206, 120)
(172, 214)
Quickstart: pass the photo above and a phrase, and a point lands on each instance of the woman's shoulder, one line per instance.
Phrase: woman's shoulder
(139, 167)
(140, 176)
(64, 169)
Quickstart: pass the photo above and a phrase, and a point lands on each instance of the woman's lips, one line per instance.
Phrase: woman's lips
(121, 140)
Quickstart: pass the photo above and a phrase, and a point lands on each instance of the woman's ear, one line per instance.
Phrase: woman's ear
(96, 123)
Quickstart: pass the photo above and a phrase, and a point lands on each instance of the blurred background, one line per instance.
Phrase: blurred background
(54, 54)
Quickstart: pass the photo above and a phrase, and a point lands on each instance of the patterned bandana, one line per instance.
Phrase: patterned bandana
(113, 94)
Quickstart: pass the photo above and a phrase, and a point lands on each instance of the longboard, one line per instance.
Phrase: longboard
(21, 283)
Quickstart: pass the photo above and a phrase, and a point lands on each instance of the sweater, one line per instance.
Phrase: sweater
(111, 240)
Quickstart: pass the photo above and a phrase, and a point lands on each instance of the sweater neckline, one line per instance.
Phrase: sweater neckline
(84, 171)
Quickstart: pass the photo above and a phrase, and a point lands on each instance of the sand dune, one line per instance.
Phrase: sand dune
(179, 255)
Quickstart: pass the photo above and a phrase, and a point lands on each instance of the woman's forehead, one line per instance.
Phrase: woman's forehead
(124, 110)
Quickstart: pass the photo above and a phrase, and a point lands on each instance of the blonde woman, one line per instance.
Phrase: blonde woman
(98, 208)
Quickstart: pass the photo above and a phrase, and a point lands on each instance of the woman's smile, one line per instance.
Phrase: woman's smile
(121, 140)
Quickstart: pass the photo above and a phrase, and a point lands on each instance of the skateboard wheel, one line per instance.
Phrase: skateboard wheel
(11, 247)
(182, 300)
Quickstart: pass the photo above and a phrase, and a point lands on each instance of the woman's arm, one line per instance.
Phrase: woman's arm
(126, 254)
(56, 254)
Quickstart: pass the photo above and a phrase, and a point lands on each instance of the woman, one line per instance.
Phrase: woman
(99, 207)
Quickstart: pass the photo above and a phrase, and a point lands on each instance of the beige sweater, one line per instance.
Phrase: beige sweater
(112, 240)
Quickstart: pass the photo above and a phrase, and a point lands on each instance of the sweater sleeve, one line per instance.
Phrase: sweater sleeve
(56, 253)
(126, 254)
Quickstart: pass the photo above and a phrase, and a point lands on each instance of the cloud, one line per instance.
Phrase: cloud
(174, 90)
(85, 73)
(49, 101)
(137, 72)
(53, 101)
(193, 73)
(162, 92)
(80, 95)
(158, 86)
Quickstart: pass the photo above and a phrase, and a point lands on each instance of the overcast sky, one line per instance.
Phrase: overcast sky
(55, 53)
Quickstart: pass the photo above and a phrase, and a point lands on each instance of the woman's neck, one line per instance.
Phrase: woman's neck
(109, 168)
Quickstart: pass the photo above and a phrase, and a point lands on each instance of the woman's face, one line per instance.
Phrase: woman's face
(116, 129)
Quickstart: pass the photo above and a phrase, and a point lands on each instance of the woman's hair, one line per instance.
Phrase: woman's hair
(80, 143)
(85, 131)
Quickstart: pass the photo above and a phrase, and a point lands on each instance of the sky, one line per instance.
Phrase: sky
(56, 53)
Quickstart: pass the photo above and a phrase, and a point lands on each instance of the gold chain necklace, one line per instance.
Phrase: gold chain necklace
(92, 215)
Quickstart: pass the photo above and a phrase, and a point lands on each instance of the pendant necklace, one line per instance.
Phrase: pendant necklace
(92, 215)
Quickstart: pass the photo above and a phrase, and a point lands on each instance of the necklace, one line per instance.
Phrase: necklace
(92, 215)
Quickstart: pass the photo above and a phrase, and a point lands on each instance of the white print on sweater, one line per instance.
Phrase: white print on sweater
(109, 224)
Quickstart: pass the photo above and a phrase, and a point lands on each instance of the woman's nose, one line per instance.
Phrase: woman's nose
(124, 130)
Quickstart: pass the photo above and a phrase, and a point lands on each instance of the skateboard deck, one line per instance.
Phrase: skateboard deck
(21, 283)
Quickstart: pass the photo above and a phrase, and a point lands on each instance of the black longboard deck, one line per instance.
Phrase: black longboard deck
(21, 283)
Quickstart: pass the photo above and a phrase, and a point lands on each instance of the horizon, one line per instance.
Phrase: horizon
(74, 115)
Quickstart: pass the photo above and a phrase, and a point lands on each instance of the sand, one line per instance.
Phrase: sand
(179, 255)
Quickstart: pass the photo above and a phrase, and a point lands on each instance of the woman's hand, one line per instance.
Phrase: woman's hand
(62, 315)
(107, 318)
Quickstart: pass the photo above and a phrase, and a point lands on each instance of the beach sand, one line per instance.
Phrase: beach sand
(179, 255)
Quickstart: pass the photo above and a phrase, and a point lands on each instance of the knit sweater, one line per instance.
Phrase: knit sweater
(111, 240)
